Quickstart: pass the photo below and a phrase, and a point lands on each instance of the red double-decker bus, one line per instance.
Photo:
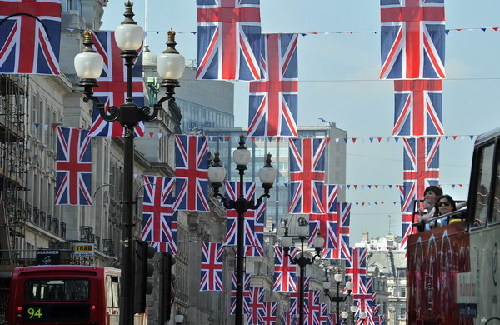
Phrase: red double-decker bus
(65, 294)
(454, 269)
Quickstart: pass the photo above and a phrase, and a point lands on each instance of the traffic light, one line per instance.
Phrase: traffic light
(166, 282)
(143, 270)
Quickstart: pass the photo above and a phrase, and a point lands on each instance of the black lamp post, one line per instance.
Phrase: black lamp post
(217, 175)
(301, 260)
(353, 311)
(88, 66)
(337, 298)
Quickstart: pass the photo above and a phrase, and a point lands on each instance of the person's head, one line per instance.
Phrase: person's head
(431, 194)
(445, 204)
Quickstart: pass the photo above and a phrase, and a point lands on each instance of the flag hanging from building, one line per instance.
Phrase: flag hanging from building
(73, 167)
(191, 173)
(112, 89)
(420, 169)
(158, 212)
(307, 174)
(418, 106)
(255, 305)
(229, 39)
(412, 39)
(355, 269)
(211, 266)
(324, 225)
(273, 100)
(324, 318)
(294, 296)
(246, 292)
(268, 314)
(30, 36)
(285, 278)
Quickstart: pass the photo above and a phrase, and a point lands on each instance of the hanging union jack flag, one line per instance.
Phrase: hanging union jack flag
(211, 266)
(285, 278)
(73, 167)
(307, 174)
(420, 169)
(294, 296)
(246, 292)
(30, 36)
(356, 269)
(112, 90)
(158, 211)
(418, 107)
(273, 101)
(268, 314)
(191, 172)
(312, 308)
(229, 37)
(254, 230)
(413, 39)
(256, 304)
(342, 220)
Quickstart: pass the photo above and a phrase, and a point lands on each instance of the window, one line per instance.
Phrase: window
(57, 290)
(402, 313)
(483, 182)
(403, 292)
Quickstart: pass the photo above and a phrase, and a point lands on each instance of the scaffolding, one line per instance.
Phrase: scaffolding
(13, 170)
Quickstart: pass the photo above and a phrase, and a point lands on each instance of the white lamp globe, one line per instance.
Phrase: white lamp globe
(129, 37)
(88, 65)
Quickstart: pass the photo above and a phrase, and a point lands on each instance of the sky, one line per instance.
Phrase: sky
(338, 81)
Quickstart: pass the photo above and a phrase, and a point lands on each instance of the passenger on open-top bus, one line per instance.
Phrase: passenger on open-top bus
(431, 194)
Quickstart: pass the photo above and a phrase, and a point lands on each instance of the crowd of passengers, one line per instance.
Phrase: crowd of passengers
(438, 209)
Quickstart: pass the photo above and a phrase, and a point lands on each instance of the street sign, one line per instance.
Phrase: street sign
(48, 257)
(83, 250)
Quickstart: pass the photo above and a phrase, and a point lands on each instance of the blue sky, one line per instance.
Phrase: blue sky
(338, 81)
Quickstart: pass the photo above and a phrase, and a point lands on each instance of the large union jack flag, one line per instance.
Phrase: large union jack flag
(294, 296)
(112, 89)
(418, 107)
(30, 36)
(246, 292)
(191, 172)
(229, 39)
(158, 212)
(307, 174)
(356, 269)
(273, 101)
(73, 167)
(413, 39)
(324, 318)
(256, 306)
(420, 169)
(268, 314)
(330, 203)
(211, 266)
(285, 278)
(254, 230)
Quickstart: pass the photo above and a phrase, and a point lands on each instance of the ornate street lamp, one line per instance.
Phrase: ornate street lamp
(354, 309)
(217, 174)
(88, 66)
(301, 260)
(338, 298)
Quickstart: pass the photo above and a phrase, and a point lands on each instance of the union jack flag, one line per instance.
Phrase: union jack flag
(413, 38)
(229, 39)
(418, 107)
(285, 278)
(307, 174)
(211, 266)
(268, 316)
(323, 317)
(112, 89)
(342, 221)
(246, 292)
(30, 36)
(255, 305)
(313, 308)
(158, 213)
(273, 101)
(420, 169)
(191, 172)
(363, 301)
(356, 269)
(73, 167)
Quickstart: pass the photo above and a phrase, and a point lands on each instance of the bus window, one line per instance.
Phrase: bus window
(483, 182)
(112, 291)
(60, 290)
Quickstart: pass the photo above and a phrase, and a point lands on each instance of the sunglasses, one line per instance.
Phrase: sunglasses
(444, 204)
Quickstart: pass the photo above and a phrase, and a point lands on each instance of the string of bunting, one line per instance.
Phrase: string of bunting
(282, 139)
(304, 34)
